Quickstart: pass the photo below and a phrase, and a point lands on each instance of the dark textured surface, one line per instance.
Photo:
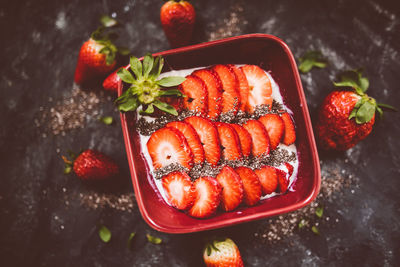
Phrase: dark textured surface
(42, 217)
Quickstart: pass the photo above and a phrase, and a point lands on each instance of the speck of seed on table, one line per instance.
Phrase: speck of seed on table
(122, 202)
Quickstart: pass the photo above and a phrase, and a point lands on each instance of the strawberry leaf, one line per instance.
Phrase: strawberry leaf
(125, 75)
(311, 59)
(149, 109)
(148, 62)
(123, 51)
(365, 112)
(319, 212)
(153, 239)
(107, 120)
(170, 81)
(67, 169)
(171, 92)
(165, 107)
(136, 67)
(315, 230)
(354, 79)
(107, 21)
(387, 106)
(130, 104)
(130, 238)
(105, 234)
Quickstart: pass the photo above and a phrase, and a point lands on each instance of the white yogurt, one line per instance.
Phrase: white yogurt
(276, 95)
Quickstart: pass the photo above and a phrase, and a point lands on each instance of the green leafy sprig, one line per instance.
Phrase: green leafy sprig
(145, 88)
(366, 106)
(311, 59)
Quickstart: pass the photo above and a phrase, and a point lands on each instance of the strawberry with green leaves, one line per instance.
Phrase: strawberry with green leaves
(97, 56)
(146, 90)
(347, 117)
(222, 252)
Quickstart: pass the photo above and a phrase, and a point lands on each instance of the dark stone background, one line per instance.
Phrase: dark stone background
(43, 220)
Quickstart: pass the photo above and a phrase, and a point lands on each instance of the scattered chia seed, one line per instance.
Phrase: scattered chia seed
(123, 202)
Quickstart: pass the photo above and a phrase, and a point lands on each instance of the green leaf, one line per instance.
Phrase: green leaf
(67, 169)
(208, 250)
(105, 234)
(148, 62)
(311, 59)
(380, 111)
(149, 109)
(354, 79)
(302, 223)
(387, 106)
(153, 239)
(130, 238)
(365, 113)
(136, 67)
(171, 81)
(319, 212)
(160, 66)
(123, 51)
(110, 58)
(107, 120)
(107, 21)
(171, 92)
(154, 70)
(315, 230)
(364, 83)
(130, 104)
(125, 75)
(165, 107)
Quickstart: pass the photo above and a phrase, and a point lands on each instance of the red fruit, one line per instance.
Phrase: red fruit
(112, 81)
(92, 165)
(275, 127)
(167, 146)
(251, 185)
(283, 180)
(335, 131)
(207, 193)
(232, 188)
(245, 139)
(260, 89)
(192, 139)
(259, 137)
(230, 94)
(91, 63)
(243, 86)
(289, 168)
(196, 96)
(214, 89)
(177, 19)
(289, 136)
(208, 135)
(178, 189)
(221, 253)
(229, 141)
(268, 179)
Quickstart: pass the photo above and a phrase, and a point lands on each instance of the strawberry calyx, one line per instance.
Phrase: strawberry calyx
(105, 40)
(366, 106)
(146, 88)
(211, 246)
(68, 161)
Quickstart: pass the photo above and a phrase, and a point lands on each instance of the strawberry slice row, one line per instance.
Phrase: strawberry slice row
(230, 188)
(197, 139)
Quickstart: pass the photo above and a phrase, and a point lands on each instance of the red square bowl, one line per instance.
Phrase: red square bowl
(273, 55)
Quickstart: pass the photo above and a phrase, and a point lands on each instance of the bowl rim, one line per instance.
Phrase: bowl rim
(229, 221)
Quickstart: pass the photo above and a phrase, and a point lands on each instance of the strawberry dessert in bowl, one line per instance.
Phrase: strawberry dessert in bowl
(218, 134)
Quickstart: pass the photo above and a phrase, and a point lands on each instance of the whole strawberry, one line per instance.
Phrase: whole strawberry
(97, 56)
(347, 117)
(222, 253)
(177, 19)
(94, 165)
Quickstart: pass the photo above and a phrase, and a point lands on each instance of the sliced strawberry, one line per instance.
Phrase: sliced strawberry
(178, 189)
(275, 128)
(196, 96)
(283, 181)
(290, 133)
(214, 89)
(232, 188)
(229, 141)
(230, 94)
(243, 87)
(167, 146)
(245, 139)
(207, 194)
(260, 89)
(251, 185)
(268, 179)
(289, 168)
(192, 138)
(208, 135)
(259, 136)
